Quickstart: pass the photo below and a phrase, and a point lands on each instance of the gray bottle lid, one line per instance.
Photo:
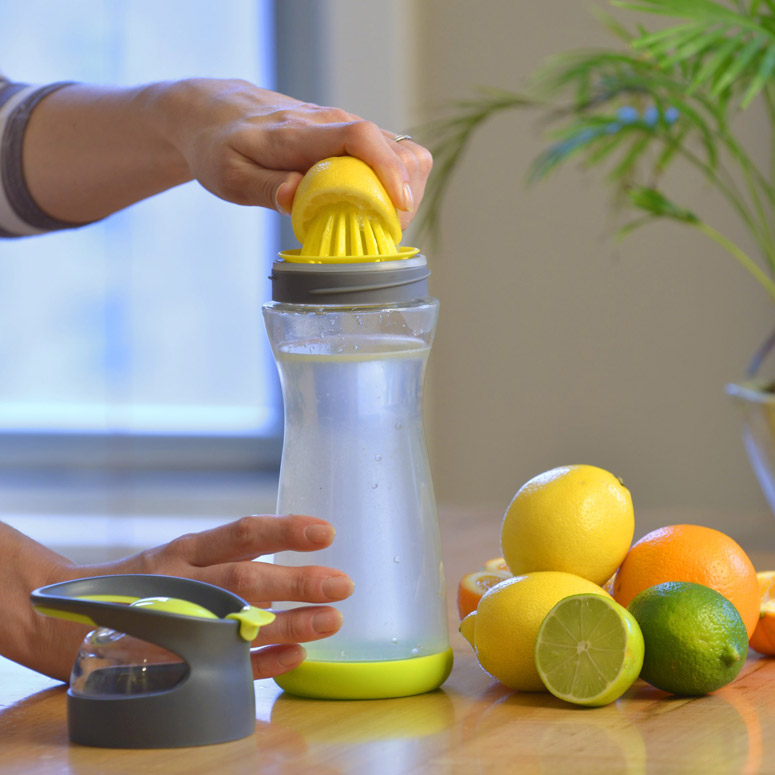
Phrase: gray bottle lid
(371, 282)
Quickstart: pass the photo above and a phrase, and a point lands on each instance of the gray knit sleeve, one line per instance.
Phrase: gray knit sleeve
(19, 214)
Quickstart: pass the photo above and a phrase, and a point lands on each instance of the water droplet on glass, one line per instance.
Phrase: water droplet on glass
(378, 458)
(398, 426)
(415, 652)
(394, 640)
(397, 559)
(374, 486)
(342, 653)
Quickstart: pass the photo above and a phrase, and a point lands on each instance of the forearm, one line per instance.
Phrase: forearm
(78, 153)
(89, 151)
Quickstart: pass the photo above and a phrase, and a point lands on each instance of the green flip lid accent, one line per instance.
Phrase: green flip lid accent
(251, 619)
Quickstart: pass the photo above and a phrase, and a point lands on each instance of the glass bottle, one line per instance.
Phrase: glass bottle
(351, 344)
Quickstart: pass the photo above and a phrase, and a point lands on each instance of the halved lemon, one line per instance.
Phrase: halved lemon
(346, 184)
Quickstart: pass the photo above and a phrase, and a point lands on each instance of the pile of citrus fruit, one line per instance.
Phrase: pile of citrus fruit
(573, 607)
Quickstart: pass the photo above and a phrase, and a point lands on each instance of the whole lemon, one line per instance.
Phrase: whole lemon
(504, 627)
(577, 519)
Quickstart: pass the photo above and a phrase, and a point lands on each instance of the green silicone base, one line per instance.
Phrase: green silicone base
(367, 680)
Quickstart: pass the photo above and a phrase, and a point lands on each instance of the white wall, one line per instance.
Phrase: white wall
(554, 345)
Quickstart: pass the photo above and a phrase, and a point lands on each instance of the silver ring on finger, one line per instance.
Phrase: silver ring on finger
(400, 138)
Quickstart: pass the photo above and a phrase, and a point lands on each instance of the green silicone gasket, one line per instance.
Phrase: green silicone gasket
(368, 680)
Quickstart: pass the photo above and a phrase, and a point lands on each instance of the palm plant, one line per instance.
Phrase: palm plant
(635, 110)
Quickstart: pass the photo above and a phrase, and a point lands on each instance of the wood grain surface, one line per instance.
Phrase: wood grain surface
(471, 725)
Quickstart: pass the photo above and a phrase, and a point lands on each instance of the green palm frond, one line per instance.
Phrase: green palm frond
(656, 203)
(727, 50)
(615, 27)
(597, 81)
(664, 97)
(699, 10)
(450, 140)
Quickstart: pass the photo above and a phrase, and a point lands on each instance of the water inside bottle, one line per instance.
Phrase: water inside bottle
(354, 454)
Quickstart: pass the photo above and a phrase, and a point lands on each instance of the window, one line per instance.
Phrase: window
(134, 349)
(148, 323)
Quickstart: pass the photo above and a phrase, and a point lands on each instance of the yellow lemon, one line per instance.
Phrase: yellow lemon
(504, 627)
(346, 183)
(577, 519)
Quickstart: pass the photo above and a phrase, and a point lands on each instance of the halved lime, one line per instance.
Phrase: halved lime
(589, 650)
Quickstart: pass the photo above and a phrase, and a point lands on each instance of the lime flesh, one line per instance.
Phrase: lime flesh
(589, 650)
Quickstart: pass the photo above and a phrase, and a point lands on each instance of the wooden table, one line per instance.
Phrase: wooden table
(472, 725)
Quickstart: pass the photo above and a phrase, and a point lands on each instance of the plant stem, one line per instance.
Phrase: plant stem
(749, 171)
(728, 189)
(746, 261)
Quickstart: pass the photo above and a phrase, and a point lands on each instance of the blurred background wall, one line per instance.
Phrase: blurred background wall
(555, 344)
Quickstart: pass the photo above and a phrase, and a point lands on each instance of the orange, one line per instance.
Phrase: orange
(763, 638)
(473, 585)
(691, 553)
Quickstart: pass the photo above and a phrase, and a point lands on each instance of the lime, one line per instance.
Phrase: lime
(695, 640)
(577, 519)
(504, 626)
(589, 650)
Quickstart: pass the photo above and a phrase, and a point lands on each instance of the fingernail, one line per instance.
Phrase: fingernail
(338, 587)
(408, 198)
(322, 535)
(277, 205)
(292, 657)
(327, 622)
